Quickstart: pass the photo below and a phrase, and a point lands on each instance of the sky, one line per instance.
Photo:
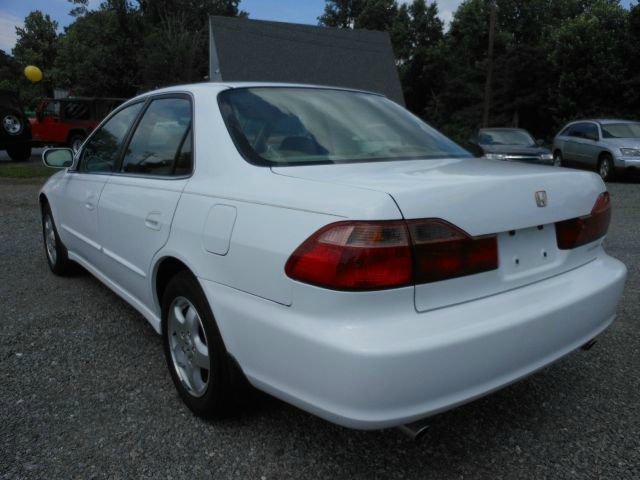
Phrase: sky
(12, 12)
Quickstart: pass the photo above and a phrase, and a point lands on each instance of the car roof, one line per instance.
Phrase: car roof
(603, 121)
(193, 87)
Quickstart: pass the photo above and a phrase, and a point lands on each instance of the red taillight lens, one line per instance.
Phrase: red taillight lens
(575, 232)
(443, 251)
(354, 256)
(378, 255)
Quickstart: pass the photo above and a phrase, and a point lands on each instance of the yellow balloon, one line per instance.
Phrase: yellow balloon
(33, 73)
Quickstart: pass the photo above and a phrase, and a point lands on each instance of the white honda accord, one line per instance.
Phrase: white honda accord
(331, 248)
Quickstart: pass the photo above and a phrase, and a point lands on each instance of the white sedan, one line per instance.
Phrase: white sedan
(331, 248)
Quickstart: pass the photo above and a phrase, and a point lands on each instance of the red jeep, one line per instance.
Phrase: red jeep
(68, 121)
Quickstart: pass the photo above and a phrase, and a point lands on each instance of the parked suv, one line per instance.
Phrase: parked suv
(15, 132)
(608, 146)
(68, 121)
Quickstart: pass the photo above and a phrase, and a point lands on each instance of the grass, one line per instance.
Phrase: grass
(26, 171)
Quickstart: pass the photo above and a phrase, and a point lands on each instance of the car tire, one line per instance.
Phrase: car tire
(194, 350)
(557, 159)
(75, 141)
(606, 168)
(55, 251)
(19, 153)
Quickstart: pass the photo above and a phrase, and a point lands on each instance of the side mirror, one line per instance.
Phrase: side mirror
(58, 157)
(540, 142)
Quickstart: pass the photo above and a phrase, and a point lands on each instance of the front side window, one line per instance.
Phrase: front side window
(161, 144)
(52, 109)
(621, 130)
(301, 126)
(101, 151)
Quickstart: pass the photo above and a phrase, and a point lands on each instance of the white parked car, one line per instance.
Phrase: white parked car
(332, 248)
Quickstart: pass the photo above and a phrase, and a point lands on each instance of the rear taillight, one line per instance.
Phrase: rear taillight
(379, 255)
(354, 256)
(443, 251)
(582, 230)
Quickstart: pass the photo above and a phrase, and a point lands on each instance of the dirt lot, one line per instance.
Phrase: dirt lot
(85, 393)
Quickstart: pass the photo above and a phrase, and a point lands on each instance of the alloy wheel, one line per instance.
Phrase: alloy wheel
(604, 169)
(50, 239)
(188, 346)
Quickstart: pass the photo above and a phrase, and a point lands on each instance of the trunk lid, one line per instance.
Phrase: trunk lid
(481, 197)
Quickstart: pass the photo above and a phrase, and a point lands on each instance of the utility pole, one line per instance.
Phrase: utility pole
(493, 11)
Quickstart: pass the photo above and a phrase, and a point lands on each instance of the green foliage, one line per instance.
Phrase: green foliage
(176, 40)
(36, 43)
(97, 54)
(341, 13)
(588, 52)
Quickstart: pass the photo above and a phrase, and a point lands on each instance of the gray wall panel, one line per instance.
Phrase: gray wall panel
(255, 50)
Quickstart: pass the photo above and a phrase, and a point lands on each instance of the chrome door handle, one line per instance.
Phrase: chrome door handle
(89, 206)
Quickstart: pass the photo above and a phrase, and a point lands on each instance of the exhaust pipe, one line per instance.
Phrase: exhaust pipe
(588, 345)
(415, 430)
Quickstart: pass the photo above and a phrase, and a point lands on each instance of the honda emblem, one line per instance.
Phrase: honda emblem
(541, 199)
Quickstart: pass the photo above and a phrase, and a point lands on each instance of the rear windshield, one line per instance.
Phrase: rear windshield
(302, 126)
(621, 130)
(505, 137)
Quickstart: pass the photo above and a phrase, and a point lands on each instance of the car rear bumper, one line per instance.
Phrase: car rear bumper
(381, 366)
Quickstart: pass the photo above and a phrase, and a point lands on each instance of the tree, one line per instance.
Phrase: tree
(9, 72)
(341, 13)
(632, 85)
(421, 56)
(98, 53)
(588, 52)
(176, 41)
(36, 44)
(37, 41)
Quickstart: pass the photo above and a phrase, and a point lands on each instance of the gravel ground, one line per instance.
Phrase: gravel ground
(84, 393)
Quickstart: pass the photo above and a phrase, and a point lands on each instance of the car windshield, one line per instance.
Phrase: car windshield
(505, 137)
(621, 130)
(302, 126)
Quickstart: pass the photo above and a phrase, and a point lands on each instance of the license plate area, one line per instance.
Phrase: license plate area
(527, 251)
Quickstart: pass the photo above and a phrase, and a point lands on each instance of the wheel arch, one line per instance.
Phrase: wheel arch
(603, 154)
(165, 268)
(43, 200)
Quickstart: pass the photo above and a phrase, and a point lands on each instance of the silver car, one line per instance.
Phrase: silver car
(607, 146)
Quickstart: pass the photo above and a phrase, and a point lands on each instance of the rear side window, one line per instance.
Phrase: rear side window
(584, 130)
(76, 111)
(591, 131)
(161, 143)
(101, 150)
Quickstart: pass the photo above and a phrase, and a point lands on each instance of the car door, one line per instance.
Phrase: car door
(138, 202)
(588, 146)
(81, 187)
(50, 128)
(571, 143)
